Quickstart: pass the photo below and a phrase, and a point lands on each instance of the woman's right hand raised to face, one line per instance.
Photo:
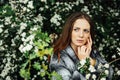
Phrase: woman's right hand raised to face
(84, 51)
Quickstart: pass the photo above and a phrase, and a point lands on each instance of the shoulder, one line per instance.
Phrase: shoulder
(56, 60)
(95, 53)
(65, 61)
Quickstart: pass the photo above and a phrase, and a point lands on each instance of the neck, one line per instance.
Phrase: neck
(74, 48)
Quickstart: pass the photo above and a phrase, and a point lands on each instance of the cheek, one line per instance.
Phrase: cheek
(73, 35)
(86, 37)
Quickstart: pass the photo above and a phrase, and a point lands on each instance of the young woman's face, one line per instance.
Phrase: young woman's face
(80, 32)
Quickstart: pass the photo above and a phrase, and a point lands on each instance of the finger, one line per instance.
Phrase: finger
(90, 40)
(88, 52)
(78, 50)
(83, 49)
(88, 43)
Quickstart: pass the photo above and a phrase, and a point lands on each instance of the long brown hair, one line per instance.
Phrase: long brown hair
(65, 37)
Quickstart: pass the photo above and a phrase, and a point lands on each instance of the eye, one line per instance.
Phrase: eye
(86, 30)
(76, 29)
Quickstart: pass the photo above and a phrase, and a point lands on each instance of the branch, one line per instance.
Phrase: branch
(114, 60)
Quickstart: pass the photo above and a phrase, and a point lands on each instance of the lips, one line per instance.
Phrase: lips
(80, 41)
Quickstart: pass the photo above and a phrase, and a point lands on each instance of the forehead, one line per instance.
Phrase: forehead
(81, 23)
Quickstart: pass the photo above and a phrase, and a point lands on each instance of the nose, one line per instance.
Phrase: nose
(81, 33)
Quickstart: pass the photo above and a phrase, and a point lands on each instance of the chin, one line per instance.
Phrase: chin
(80, 44)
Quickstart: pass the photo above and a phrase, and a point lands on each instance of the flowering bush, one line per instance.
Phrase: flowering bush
(25, 34)
(89, 71)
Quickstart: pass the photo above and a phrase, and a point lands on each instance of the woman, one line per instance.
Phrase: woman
(75, 45)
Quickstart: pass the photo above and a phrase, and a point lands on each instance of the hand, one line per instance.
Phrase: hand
(85, 50)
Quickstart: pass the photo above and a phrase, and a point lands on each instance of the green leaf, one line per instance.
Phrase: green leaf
(43, 73)
(26, 54)
(52, 1)
(24, 64)
(56, 75)
(88, 62)
(37, 66)
(24, 73)
(32, 56)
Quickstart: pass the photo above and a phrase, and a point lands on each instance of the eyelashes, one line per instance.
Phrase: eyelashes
(84, 30)
(77, 29)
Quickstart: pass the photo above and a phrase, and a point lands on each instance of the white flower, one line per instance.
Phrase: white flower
(1, 30)
(23, 1)
(30, 4)
(20, 48)
(118, 72)
(43, 0)
(116, 69)
(92, 69)
(4, 11)
(24, 9)
(23, 34)
(102, 29)
(6, 69)
(1, 26)
(99, 66)
(94, 77)
(106, 72)
(85, 8)
(36, 49)
(31, 37)
(81, 1)
(106, 65)
(119, 22)
(41, 8)
(8, 78)
(7, 20)
(34, 29)
(113, 56)
(23, 25)
(116, 14)
(39, 18)
(45, 58)
(82, 62)
(55, 19)
(31, 43)
(58, 23)
(118, 53)
(28, 47)
(1, 42)
(118, 50)
(23, 39)
(103, 79)
(28, 10)
(77, 3)
(57, 3)
(87, 76)
(13, 42)
(46, 7)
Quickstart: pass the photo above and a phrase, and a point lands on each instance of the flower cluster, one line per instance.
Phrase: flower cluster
(90, 72)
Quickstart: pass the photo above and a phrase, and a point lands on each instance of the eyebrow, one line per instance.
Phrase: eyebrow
(76, 27)
(79, 28)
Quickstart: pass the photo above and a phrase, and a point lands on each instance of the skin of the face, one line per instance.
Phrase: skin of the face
(80, 33)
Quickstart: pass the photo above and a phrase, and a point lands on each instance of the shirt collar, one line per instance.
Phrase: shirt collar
(70, 52)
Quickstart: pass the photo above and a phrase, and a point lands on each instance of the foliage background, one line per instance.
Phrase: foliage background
(29, 27)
